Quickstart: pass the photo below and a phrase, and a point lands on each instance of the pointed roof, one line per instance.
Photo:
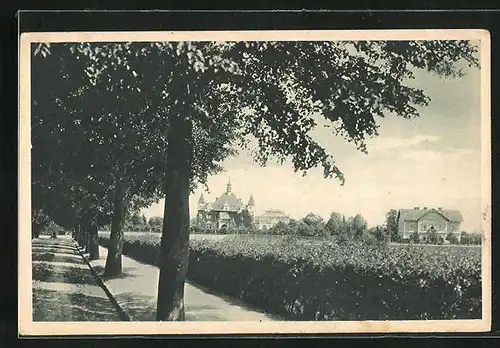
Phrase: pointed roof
(201, 200)
(251, 201)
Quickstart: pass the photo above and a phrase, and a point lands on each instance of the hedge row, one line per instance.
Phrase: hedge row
(301, 280)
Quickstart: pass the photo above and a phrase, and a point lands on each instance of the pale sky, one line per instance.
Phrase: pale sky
(432, 161)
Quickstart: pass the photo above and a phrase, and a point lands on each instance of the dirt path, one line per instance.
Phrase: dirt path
(137, 288)
(63, 286)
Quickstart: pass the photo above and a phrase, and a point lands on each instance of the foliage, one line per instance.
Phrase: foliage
(392, 225)
(470, 238)
(334, 223)
(475, 238)
(282, 228)
(358, 225)
(313, 226)
(138, 223)
(236, 90)
(304, 280)
(64, 180)
(379, 233)
(432, 236)
(414, 237)
(156, 223)
(452, 238)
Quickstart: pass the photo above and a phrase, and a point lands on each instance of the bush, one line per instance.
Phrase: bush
(475, 238)
(380, 234)
(305, 280)
(370, 238)
(464, 238)
(452, 238)
(432, 237)
(414, 238)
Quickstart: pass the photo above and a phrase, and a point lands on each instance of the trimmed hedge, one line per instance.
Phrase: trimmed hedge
(303, 280)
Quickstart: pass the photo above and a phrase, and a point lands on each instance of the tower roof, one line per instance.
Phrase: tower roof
(229, 199)
(201, 200)
(251, 201)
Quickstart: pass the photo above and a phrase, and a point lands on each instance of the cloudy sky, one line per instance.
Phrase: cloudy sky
(432, 161)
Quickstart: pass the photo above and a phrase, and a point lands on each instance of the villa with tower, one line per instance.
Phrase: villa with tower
(227, 211)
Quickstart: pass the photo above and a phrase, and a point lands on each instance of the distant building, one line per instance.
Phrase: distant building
(227, 211)
(270, 218)
(423, 220)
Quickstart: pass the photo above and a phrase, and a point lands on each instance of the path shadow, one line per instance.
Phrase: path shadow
(62, 242)
(53, 273)
(50, 305)
(51, 257)
(44, 249)
(55, 246)
(123, 275)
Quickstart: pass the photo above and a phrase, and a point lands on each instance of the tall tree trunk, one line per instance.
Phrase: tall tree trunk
(175, 234)
(87, 235)
(79, 233)
(93, 240)
(35, 230)
(114, 258)
(82, 235)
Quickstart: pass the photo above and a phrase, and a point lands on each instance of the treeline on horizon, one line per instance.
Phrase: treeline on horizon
(337, 227)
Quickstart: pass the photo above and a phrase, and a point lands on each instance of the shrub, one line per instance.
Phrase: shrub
(475, 238)
(432, 237)
(381, 234)
(303, 280)
(414, 238)
(464, 237)
(452, 238)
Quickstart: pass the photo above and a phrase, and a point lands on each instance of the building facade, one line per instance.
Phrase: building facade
(423, 220)
(227, 211)
(270, 218)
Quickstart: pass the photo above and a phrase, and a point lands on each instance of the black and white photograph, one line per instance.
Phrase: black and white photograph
(254, 182)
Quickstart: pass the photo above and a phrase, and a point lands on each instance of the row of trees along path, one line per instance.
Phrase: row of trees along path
(116, 126)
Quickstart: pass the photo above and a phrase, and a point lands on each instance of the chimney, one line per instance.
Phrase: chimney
(440, 208)
(425, 208)
(416, 208)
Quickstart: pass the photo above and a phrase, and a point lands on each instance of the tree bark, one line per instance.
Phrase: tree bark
(35, 230)
(174, 255)
(79, 233)
(114, 259)
(93, 240)
(87, 235)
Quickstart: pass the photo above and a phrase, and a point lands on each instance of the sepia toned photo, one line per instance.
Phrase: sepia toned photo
(254, 182)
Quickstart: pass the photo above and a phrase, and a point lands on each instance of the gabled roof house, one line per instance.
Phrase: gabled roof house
(421, 220)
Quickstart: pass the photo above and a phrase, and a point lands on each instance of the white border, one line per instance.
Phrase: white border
(28, 327)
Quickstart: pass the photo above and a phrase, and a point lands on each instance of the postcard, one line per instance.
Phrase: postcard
(254, 182)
